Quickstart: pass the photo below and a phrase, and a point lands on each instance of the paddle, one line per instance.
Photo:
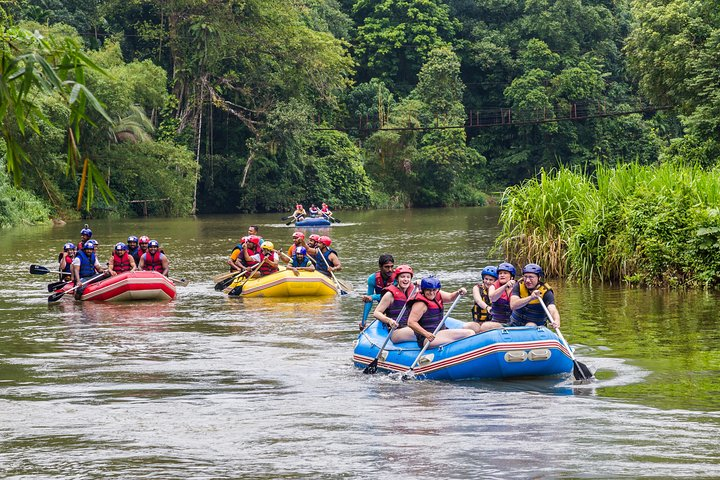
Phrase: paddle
(225, 276)
(40, 270)
(56, 285)
(372, 366)
(330, 218)
(220, 285)
(580, 370)
(244, 281)
(408, 374)
(181, 282)
(342, 288)
(58, 295)
(292, 220)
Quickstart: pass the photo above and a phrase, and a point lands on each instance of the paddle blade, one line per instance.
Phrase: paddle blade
(39, 270)
(347, 286)
(55, 297)
(224, 276)
(224, 283)
(581, 372)
(371, 368)
(336, 220)
(56, 286)
(290, 222)
(180, 282)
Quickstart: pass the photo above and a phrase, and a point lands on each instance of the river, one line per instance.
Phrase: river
(212, 387)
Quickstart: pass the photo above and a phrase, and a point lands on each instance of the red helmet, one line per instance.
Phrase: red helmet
(325, 240)
(299, 235)
(404, 269)
(243, 239)
(298, 206)
(254, 239)
(144, 239)
(315, 237)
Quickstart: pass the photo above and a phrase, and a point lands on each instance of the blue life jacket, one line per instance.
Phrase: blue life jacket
(87, 265)
(322, 265)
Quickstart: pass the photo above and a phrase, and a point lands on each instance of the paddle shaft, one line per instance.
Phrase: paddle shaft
(371, 366)
(580, 367)
(437, 329)
(252, 272)
(57, 296)
(342, 292)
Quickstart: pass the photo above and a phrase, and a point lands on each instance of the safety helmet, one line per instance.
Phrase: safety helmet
(144, 239)
(68, 246)
(404, 269)
(508, 267)
(314, 237)
(253, 239)
(298, 207)
(132, 239)
(268, 246)
(89, 245)
(325, 240)
(324, 204)
(120, 246)
(430, 283)
(299, 235)
(153, 243)
(93, 242)
(533, 268)
(86, 231)
(490, 270)
(300, 251)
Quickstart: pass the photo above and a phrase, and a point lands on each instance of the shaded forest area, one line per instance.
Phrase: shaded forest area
(252, 105)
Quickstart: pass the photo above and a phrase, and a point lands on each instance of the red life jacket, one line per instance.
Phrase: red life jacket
(501, 307)
(380, 282)
(434, 314)
(252, 262)
(122, 264)
(399, 300)
(153, 262)
(266, 268)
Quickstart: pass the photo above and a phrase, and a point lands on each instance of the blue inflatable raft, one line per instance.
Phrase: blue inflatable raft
(500, 353)
(314, 222)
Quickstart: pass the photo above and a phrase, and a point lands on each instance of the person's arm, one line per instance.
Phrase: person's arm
(133, 266)
(111, 266)
(449, 297)
(496, 293)
(336, 266)
(477, 296)
(98, 268)
(283, 257)
(233, 258)
(416, 312)
(379, 312)
(75, 271)
(165, 264)
(517, 302)
(142, 262)
(555, 314)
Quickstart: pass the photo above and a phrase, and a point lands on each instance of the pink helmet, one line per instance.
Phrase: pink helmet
(325, 240)
(315, 237)
(404, 269)
(299, 235)
(144, 239)
(254, 239)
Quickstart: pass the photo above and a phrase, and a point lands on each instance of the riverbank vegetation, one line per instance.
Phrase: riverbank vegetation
(253, 105)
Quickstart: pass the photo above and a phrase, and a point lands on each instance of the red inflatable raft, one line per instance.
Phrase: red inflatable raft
(130, 286)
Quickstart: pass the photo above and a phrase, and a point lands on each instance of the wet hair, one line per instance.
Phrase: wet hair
(385, 258)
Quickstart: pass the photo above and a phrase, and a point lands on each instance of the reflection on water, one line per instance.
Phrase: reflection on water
(214, 387)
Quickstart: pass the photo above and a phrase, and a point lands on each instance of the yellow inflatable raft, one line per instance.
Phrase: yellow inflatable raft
(285, 284)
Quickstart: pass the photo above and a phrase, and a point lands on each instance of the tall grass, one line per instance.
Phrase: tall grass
(653, 225)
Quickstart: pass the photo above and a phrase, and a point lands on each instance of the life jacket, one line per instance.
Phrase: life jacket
(122, 264)
(501, 307)
(434, 314)
(480, 314)
(398, 303)
(296, 263)
(322, 265)
(252, 262)
(266, 268)
(325, 210)
(135, 253)
(314, 211)
(153, 262)
(533, 311)
(380, 282)
(87, 265)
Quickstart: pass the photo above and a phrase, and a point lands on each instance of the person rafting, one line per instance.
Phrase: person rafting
(482, 307)
(525, 299)
(394, 298)
(142, 249)
(236, 260)
(326, 259)
(426, 313)
(325, 211)
(66, 260)
(252, 254)
(85, 264)
(314, 211)
(132, 243)
(312, 241)
(85, 235)
(154, 259)
(298, 241)
(299, 214)
(121, 261)
(255, 230)
(499, 292)
(300, 261)
(376, 282)
(270, 259)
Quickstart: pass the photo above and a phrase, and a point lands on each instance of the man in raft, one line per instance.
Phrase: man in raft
(392, 303)
(525, 300)
(154, 259)
(300, 261)
(376, 282)
(121, 261)
(326, 259)
(85, 264)
(426, 313)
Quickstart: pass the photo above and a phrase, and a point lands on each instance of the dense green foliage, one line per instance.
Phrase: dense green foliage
(651, 225)
(359, 103)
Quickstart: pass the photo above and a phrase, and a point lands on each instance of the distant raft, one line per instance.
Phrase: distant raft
(129, 286)
(314, 222)
(500, 353)
(285, 284)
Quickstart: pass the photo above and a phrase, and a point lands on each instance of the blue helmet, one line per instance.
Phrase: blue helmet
(300, 251)
(430, 282)
(132, 238)
(89, 245)
(508, 267)
(490, 270)
(533, 268)
(86, 231)
(153, 243)
(120, 246)
(68, 246)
